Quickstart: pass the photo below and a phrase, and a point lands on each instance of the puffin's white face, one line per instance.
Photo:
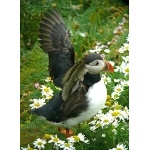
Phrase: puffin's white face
(95, 66)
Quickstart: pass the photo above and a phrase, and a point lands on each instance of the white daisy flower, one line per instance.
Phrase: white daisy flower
(98, 48)
(37, 103)
(57, 142)
(47, 96)
(93, 128)
(127, 39)
(124, 83)
(118, 29)
(124, 20)
(115, 113)
(125, 68)
(93, 122)
(58, 88)
(106, 119)
(104, 46)
(77, 138)
(114, 131)
(115, 95)
(121, 147)
(107, 51)
(124, 115)
(117, 69)
(82, 34)
(126, 109)
(98, 43)
(47, 92)
(28, 148)
(118, 88)
(113, 149)
(39, 143)
(48, 79)
(106, 79)
(67, 146)
(103, 135)
(117, 80)
(95, 51)
(109, 43)
(126, 59)
(115, 124)
(121, 49)
(126, 46)
(121, 23)
(116, 105)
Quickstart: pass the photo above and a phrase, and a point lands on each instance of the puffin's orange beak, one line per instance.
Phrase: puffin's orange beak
(108, 67)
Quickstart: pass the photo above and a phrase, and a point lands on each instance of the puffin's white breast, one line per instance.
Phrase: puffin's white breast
(96, 98)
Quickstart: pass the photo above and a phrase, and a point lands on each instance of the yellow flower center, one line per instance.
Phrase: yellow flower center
(119, 149)
(30, 149)
(108, 103)
(55, 139)
(126, 47)
(105, 80)
(76, 138)
(39, 143)
(36, 104)
(67, 145)
(106, 120)
(116, 96)
(49, 78)
(49, 97)
(118, 89)
(97, 125)
(108, 97)
(127, 70)
(47, 136)
(115, 113)
(46, 89)
(118, 106)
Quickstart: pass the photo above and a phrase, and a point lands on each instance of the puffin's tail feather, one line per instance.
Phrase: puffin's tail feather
(51, 110)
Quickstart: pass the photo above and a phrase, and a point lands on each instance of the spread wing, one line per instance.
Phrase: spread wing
(54, 40)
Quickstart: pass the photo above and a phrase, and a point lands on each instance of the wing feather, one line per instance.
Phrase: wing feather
(54, 40)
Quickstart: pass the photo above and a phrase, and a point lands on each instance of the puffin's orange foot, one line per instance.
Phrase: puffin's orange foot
(67, 132)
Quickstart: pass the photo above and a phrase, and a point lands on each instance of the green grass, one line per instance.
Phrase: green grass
(97, 19)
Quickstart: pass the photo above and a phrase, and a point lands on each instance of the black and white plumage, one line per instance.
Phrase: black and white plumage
(83, 91)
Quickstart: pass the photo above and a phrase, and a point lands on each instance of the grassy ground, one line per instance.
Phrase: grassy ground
(97, 20)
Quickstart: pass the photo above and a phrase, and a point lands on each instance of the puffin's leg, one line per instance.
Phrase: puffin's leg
(59, 129)
(69, 133)
(66, 131)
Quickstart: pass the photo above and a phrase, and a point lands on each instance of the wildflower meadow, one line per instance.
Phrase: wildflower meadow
(111, 121)
(109, 128)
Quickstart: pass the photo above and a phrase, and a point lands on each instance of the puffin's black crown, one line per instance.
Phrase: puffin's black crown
(91, 57)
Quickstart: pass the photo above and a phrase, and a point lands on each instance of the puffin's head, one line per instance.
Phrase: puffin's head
(95, 64)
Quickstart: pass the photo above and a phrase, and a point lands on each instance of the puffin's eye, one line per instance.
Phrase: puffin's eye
(97, 63)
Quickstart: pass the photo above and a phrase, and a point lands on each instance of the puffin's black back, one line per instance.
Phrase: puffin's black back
(54, 40)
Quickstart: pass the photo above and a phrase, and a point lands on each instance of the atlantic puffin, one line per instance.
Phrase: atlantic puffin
(83, 91)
